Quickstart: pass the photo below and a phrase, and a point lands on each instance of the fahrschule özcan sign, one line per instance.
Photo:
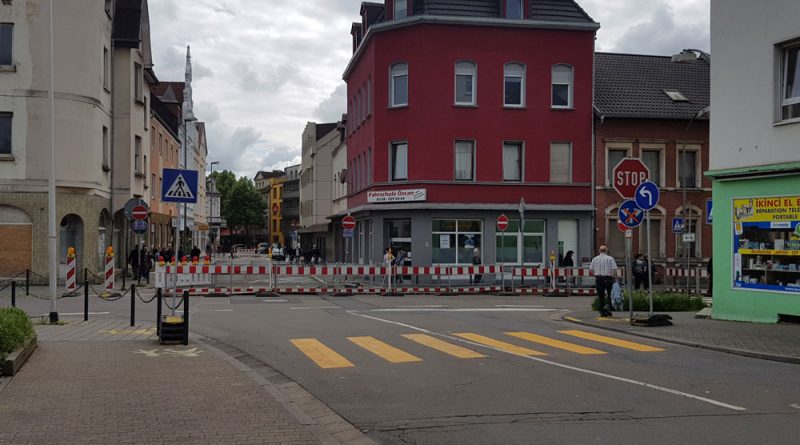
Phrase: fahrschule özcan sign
(409, 195)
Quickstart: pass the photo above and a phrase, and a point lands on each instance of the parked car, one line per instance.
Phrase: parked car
(262, 248)
(278, 253)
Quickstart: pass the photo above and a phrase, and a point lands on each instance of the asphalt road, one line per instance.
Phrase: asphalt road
(377, 362)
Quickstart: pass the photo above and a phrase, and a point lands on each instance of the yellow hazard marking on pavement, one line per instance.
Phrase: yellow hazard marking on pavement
(507, 347)
(443, 346)
(612, 341)
(384, 351)
(571, 319)
(320, 354)
(173, 319)
(558, 344)
(144, 331)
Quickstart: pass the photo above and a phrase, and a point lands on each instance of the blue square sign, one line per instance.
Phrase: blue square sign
(179, 186)
(709, 210)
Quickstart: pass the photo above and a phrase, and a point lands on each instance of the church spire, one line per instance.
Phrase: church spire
(188, 104)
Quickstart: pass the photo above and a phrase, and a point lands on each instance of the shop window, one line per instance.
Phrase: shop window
(766, 243)
(531, 249)
(454, 240)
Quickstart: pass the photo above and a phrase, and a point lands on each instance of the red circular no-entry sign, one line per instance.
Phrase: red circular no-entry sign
(627, 175)
(139, 213)
(502, 223)
(348, 222)
(622, 227)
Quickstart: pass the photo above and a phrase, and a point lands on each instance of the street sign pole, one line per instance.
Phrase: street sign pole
(629, 273)
(649, 265)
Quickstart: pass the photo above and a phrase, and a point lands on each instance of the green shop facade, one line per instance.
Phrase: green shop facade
(756, 218)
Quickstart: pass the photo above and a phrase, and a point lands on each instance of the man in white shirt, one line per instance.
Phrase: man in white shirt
(603, 268)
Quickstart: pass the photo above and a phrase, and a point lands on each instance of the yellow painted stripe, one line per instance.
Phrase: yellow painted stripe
(320, 354)
(571, 319)
(507, 347)
(384, 351)
(443, 346)
(612, 341)
(553, 343)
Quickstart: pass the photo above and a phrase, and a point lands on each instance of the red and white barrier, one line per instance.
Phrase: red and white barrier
(72, 278)
(672, 272)
(109, 282)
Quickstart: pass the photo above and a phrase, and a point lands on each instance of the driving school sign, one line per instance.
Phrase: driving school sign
(410, 195)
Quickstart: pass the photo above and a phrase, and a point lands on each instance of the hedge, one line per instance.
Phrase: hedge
(662, 302)
(15, 329)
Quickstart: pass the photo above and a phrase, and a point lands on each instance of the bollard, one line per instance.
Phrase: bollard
(158, 313)
(186, 318)
(86, 299)
(13, 293)
(28, 283)
(85, 274)
(133, 304)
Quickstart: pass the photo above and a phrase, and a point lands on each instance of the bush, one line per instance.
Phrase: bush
(15, 330)
(662, 302)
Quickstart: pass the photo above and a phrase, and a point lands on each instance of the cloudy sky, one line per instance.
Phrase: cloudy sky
(263, 68)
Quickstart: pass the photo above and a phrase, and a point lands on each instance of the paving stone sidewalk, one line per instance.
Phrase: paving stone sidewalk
(780, 342)
(102, 382)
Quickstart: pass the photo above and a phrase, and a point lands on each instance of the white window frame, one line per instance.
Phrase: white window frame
(468, 68)
(521, 160)
(661, 150)
(522, 84)
(138, 81)
(783, 66)
(396, 9)
(696, 216)
(398, 69)
(392, 146)
(569, 85)
(698, 162)
(569, 161)
(473, 144)
(615, 146)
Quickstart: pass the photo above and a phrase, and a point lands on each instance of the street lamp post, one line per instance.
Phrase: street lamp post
(521, 210)
(52, 243)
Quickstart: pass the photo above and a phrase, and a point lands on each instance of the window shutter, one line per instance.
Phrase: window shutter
(560, 162)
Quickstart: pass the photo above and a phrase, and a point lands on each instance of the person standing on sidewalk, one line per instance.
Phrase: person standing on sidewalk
(603, 268)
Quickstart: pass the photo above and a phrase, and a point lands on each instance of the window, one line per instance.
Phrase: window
(512, 161)
(513, 9)
(514, 85)
(465, 161)
(615, 240)
(369, 96)
(146, 116)
(656, 227)
(6, 44)
(531, 250)
(5, 133)
(399, 161)
(562, 86)
(106, 68)
(153, 186)
(615, 155)
(106, 153)
(137, 81)
(688, 166)
(399, 82)
(454, 240)
(466, 76)
(137, 154)
(369, 165)
(676, 96)
(400, 9)
(691, 220)
(790, 82)
(560, 162)
(652, 159)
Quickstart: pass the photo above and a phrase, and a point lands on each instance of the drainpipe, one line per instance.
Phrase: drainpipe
(112, 126)
(593, 237)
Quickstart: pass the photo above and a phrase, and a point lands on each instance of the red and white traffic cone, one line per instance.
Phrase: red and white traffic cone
(72, 279)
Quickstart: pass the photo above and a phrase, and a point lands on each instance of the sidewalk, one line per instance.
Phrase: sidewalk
(779, 342)
(102, 381)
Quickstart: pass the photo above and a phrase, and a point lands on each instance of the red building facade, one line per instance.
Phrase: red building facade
(453, 119)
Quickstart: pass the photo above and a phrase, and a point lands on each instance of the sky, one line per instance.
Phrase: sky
(264, 68)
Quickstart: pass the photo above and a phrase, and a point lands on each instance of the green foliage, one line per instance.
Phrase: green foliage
(246, 208)
(662, 302)
(15, 330)
(225, 181)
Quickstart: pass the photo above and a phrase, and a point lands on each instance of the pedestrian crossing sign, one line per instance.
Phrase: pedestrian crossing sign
(179, 186)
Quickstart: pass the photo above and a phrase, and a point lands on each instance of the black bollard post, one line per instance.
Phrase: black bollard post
(186, 318)
(158, 313)
(28, 283)
(85, 274)
(13, 293)
(133, 305)
(85, 299)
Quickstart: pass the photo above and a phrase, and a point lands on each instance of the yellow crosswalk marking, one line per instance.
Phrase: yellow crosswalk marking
(507, 347)
(384, 351)
(443, 346)
(578, 349)
(320, 354)
(612, 341)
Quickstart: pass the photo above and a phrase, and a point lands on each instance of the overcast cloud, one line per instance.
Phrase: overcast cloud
(263, 68)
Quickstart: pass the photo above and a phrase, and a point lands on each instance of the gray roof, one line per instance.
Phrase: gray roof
(558, 11)
(632, 86)
(545, 10)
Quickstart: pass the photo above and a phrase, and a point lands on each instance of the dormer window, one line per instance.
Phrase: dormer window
(514, 9)
(400, 9)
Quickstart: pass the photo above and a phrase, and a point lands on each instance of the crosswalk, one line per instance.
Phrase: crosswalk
(326, 358)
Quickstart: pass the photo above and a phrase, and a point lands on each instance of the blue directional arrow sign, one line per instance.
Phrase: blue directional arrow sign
(630, 215)
(179, 186)
(647, 195)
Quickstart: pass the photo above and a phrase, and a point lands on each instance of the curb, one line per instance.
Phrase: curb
(12, 364)
(734, 351)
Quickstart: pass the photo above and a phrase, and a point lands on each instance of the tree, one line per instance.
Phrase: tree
(225, 180)
(245, 207)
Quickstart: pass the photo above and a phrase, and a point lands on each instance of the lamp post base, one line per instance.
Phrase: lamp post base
(53, 317)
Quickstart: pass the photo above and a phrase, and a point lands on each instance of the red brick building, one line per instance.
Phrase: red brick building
(457, 109)
(647, 107)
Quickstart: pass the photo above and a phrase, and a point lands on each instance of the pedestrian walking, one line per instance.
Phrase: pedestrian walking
(400, 260)
(144, 266)
(476, 261)
(603, 268)
(568, 263)
(639, 268)
(133, 260)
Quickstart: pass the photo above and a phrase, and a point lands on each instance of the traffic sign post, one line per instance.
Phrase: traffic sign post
(348, 232)
(139, 213)
(678, 225)
(630, 215)
(502, 225)
(647, 196)
(628, 175)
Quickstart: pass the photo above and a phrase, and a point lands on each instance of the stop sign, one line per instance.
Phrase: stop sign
(502, 223)
(139, 213)
(627, 175)
(348, 222)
